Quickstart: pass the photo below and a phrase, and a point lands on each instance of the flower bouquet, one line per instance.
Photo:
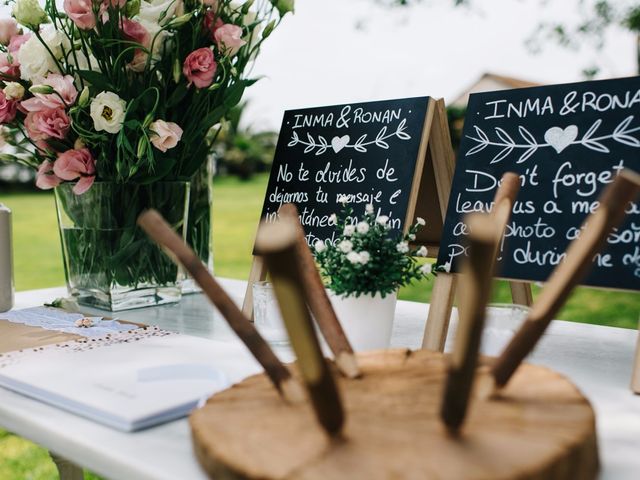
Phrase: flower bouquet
(113, 103)
(363, 271)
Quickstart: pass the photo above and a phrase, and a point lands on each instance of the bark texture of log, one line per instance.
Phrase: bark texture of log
(539, 427)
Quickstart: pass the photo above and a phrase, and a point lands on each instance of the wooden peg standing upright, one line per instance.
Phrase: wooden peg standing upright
(476, 284)
(565, 277)
(276, 242)
(319, 302)
(159, 230)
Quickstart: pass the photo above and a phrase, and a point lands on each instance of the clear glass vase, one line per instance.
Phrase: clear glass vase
(199, 233)
(109, 262)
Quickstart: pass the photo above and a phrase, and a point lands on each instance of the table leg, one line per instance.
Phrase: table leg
(66, 469)
(635, 378)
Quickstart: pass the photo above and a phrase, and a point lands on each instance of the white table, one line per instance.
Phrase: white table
(598, 359)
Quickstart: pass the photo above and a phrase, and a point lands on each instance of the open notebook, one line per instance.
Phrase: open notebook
(131, 380)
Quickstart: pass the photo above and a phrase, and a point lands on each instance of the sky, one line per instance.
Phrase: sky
(319, 57)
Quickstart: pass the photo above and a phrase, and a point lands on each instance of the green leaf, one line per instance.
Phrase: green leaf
(177, 95)
(96, 79)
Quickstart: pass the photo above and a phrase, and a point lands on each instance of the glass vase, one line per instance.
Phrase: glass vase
(199, 230)
(109, 262)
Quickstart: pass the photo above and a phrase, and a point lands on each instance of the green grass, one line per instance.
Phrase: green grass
(38, 264)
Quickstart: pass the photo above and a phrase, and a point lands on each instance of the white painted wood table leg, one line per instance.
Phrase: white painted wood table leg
(435, 334)
(66, 469)
(635, 377)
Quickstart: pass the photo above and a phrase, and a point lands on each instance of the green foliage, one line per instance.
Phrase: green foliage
(367, 258)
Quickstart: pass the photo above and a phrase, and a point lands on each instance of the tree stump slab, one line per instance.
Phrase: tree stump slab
(539, 427)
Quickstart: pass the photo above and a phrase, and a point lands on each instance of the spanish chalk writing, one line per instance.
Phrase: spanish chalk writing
(567, 142)
(365, 153)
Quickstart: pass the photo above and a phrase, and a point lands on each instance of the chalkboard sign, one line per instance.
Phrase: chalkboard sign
(394, 154)
(367, 151)
(567, 142)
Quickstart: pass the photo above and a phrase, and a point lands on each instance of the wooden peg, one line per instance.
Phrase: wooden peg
(159, 230)
(276, 242)
(567, 274)
(476, 284)
(319, 302)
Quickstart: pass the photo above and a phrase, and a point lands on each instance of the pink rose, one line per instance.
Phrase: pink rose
(134, 31)
(7, 108)
(166, 135)
(50, 122)
(65, 95)
(45, 178)
(9, 66)
(8, 29)
(212, 22)
(229, 38)
(200, 67)
(16, 42)
(81, 12)
(76, 164)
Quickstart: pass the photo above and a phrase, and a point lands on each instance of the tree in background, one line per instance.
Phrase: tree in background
(597, 17)
(241, 151)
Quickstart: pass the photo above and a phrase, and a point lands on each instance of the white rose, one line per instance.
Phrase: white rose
(35, 61)
(411, 237)
(29, 13)
(364, 257)
(426, 269)
(422, 252)
(108, 112)
(349, 230)
(345, 246)
(353, 257)
(319, 246)
(362, 227)
(420, 221)
(382, 220)
(402, 247)
(369, 208)
(14, 91)
(160, 11)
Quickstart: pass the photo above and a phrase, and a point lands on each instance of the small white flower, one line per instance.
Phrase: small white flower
(353, 257)
(402, 247)
(349, 230)
(447, 267)
(343, 199)
(319, 246)
(411, 237)
(382, 220)
(34, 58)
(420, 221)
(364, 257)
(108, 112)
(369, 208)
(14, 91)
(362, 227)
(422, 252)
(333, 219)
(427, 268)
(345, 246)
(29, 13)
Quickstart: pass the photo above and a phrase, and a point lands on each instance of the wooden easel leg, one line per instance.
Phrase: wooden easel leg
(635, 377)
(66, 469)
(435, 333)
(521, 293)
(258, 274)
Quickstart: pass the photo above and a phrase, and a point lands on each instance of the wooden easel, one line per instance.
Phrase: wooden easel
(429, 189)
(635, 378)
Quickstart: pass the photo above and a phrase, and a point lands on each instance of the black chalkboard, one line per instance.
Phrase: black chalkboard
(566, 142)
(367, 151)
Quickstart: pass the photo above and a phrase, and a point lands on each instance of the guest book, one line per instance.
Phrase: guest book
(127, 380)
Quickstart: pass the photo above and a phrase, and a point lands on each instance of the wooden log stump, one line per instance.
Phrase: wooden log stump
(540, 427)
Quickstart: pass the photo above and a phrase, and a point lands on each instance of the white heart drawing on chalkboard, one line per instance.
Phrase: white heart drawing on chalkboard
(338, 143)
(560, 139)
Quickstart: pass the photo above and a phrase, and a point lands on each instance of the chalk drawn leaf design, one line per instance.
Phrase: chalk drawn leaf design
(526, 135)
(502, 154)
(527, 154)
(381, 133)
(311, 145)
(621, 133)
(477, 148)
(592, 130)
(594, 145)
(621, 129)
(400, 131)
(294, 140)
(504, 136)
(481, 134)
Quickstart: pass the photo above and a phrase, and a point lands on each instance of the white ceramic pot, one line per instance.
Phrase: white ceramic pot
(367, 320)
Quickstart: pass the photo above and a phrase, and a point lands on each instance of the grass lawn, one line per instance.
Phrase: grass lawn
(237, 204)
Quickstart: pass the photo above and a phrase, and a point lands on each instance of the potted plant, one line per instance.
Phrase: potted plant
(363, 271)
(113, 103)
